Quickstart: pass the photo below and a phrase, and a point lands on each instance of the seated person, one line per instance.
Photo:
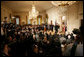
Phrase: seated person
(5, 50)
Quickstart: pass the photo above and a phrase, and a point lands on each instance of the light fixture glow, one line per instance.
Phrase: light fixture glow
(63, 18)
(33, 13)
(62, 3)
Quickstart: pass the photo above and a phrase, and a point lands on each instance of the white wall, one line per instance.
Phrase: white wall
(53, 15)
(72, 15)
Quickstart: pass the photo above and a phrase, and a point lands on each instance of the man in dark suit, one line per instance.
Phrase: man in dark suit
(56, 28)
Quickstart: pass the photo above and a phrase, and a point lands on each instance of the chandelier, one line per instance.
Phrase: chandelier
(33, 13)
(62, 5)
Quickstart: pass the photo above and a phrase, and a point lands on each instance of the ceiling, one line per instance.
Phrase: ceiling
(25, 6)
(21, 6)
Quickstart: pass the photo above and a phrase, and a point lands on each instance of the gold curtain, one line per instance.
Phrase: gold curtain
(40, 20)
(31, 21)
(37, 21)
(26, 20)
(46, 18)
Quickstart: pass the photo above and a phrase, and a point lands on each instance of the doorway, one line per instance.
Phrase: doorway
(17, 20)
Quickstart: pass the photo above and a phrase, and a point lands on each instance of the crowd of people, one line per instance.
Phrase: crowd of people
(27, 40)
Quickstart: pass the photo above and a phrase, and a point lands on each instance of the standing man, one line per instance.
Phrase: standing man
(51, 26)
(5, 26)
(56, 27)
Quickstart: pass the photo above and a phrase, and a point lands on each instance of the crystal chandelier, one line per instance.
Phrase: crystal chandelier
(62, 5)
(33, 13)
